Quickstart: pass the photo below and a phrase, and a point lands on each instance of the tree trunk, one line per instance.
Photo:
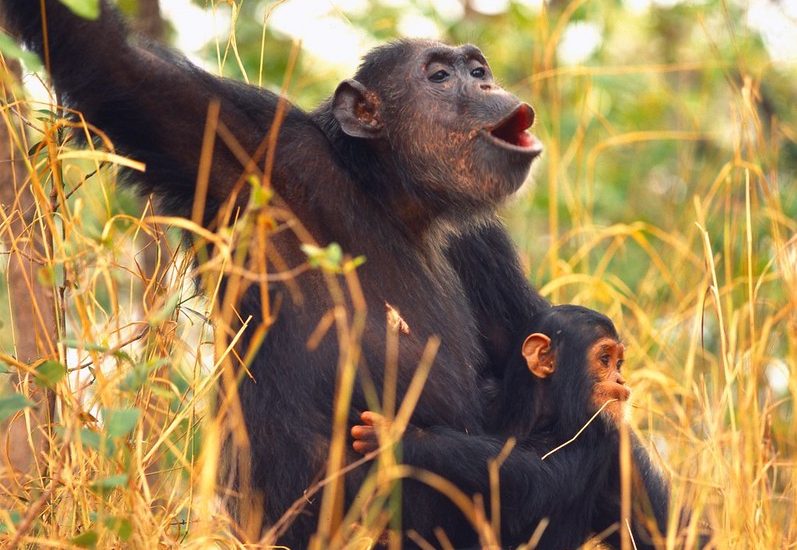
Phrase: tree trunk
(33, 324)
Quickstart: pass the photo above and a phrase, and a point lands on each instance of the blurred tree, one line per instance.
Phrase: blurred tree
(31, 301)
(149, 21)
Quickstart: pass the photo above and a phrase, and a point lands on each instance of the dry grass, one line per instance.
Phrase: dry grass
(705, 297)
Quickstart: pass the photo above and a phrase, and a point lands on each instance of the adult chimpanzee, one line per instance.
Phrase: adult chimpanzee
(405, 165)
(565, 369)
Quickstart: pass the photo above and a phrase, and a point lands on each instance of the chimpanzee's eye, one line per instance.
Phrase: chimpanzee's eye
(605, 359)
(439, 76)
(478, 72)
(620, 364)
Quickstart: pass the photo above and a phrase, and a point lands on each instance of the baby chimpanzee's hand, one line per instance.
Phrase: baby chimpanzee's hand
(365, 434)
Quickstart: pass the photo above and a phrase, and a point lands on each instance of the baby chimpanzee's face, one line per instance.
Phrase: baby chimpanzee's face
(605, 358)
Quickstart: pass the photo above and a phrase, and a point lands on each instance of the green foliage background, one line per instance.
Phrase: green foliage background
(666, 198)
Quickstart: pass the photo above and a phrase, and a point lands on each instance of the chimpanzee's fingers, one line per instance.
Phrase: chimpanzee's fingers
(364, 447)
(363, 432)
(365, 439)
(371, 418)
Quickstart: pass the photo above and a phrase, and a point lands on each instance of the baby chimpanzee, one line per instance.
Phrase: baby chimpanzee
(568, 368)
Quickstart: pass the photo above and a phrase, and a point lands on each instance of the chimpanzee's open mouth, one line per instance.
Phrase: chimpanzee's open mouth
(512, 131)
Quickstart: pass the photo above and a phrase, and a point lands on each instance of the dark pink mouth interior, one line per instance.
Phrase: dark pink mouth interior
(513, 129)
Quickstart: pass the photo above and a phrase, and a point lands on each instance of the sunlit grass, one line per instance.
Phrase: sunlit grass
(681, 230)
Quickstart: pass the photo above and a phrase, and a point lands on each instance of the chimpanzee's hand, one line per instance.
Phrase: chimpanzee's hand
(365, 434)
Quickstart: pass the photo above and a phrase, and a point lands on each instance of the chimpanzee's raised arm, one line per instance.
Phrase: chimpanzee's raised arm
(151, 101)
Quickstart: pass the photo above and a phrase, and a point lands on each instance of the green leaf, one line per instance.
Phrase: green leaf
(166, 311)
(123, 356)
(334, 253)
(137, 376)
(49, 373)
(87, 9)
(109, 483)
(13, 403)
(122, 527)
(120, 422)
(260, 195)
(79, 344)
(91, 439)
(14, 517)
(328, 259)
(10, 48)
(353, 264)
(86, 540)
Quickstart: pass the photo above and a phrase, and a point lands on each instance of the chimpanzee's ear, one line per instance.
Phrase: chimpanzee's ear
(357, 110)
(539, 356)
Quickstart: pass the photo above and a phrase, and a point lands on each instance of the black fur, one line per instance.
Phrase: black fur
(419, 206)
(577, 488)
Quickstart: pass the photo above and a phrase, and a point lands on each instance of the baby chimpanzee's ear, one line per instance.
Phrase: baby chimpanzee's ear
(539, 357)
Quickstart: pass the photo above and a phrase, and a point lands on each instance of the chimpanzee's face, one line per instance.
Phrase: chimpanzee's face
(457, 130)
(605, 359)
(440, 122)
